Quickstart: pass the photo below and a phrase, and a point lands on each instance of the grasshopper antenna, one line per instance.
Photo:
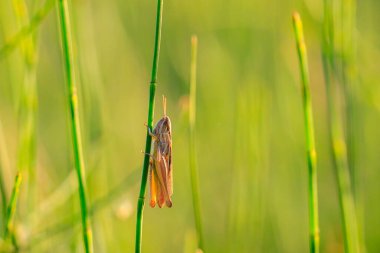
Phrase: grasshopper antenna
(164, 104)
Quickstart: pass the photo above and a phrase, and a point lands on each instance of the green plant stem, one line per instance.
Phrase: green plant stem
(152, 92)
(194, 175)
(12, 206)
(64, 19)
(337, 139)
(309, 130)
(28, 106)
(350, 85)
(40, 15)
(348, 79)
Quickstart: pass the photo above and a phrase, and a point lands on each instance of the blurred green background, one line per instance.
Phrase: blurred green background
(250, 135)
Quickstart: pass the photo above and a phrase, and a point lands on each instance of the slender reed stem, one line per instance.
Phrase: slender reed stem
(348, 79)
(28, 106)
(64, 19)
(350, 85)
(192, 143)
(309, 130)
(337, 139)
(152, 92)
(40, 15)
(12, 206)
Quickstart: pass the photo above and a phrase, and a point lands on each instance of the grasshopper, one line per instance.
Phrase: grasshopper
(160, 169)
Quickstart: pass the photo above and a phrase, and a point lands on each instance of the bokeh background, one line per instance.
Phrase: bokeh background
(250, 135)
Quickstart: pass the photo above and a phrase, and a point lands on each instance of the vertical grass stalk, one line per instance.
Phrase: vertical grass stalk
(63, 13)
(152, 93)
(350, 85)
(192, 144)
(28, 106)
(348, 9)
(337, 138)
(309, 130)
(12, 207)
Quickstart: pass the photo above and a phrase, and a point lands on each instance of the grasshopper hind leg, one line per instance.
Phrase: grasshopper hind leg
(153, 186)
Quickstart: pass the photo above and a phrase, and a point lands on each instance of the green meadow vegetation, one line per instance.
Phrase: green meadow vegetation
(274, 108)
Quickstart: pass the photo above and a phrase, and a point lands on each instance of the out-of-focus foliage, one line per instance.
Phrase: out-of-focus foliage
(250, 136)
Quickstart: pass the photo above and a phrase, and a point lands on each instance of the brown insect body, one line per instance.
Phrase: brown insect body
(160, 171)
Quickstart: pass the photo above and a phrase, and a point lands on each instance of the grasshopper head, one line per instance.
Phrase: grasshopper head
(164, 126)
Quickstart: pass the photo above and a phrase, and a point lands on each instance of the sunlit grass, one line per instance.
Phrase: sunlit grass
(74, 121)
(152, 94)
(311, 152)
(26, 159)
(246, 142)
(194, 175)
(337, 135)
(11, 209)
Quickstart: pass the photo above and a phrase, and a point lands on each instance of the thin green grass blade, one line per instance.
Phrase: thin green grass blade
(148, 143)
(26, 159)
(12, 207)
(337, 138)
(194, 175)
(64, 20)
(311, 153)
(352, 109)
